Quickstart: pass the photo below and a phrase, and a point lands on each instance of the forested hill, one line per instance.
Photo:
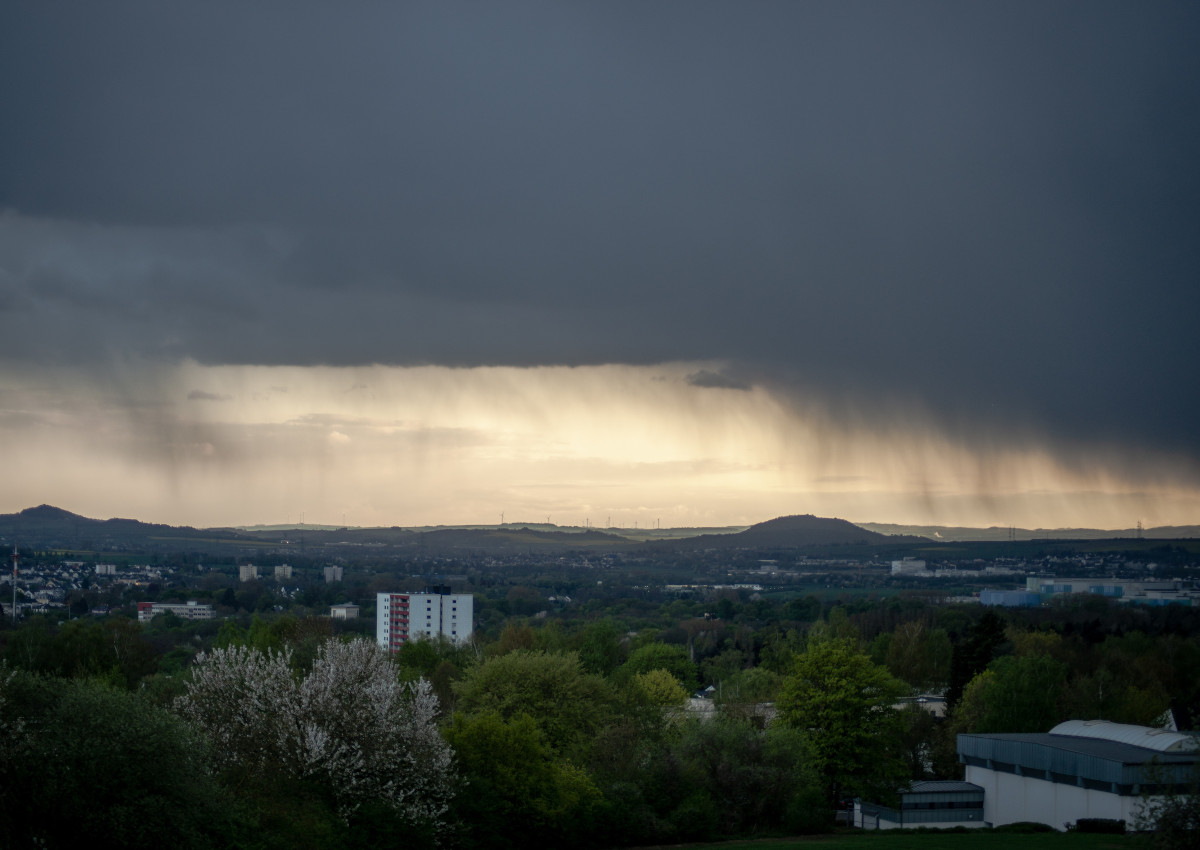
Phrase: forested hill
(49, 527)
(792, 532)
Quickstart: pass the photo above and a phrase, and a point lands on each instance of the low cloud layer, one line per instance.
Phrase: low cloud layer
(621, 444)
(982, 221)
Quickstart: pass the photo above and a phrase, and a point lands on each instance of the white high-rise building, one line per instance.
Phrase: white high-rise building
(401, 617)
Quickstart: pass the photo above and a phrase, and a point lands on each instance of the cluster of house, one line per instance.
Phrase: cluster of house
(1081, 769)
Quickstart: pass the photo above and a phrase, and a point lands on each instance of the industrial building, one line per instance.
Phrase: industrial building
(190, 610)
(401, 617)
(937, 804)
(1079, 769)
(909, 567)
(1040, 590)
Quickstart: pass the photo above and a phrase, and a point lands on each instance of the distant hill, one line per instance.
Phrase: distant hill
(996, 533)
(791, 532)
(49, 527)
(520, 539)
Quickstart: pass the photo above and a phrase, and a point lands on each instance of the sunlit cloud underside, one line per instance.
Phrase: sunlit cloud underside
(619, 445)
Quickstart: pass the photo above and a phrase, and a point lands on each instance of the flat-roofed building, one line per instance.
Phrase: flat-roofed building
(937, 804)
(1079, 769)
(190, 610)
(401, 617)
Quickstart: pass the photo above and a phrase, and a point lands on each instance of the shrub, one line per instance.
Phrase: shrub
(1106, 826)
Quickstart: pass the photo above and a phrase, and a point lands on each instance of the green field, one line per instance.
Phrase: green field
(898, 839)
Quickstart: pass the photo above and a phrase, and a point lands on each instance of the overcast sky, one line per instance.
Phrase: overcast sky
(703, 263)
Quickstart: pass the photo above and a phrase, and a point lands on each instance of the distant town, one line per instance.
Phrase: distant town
(793, 677)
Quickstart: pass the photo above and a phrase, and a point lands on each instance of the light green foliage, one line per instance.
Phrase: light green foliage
(661, 656)
(568, 705)
(972, 708)
(845, 703)
(659, 687)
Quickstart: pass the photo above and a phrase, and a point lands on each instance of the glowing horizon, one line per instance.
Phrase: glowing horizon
(213, 446)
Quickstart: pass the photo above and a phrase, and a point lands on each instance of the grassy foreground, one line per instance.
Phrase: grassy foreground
(900, 839)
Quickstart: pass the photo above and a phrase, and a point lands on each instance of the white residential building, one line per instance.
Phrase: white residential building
(247, 572)
(333, 574)
(283, 571)
(401, 617)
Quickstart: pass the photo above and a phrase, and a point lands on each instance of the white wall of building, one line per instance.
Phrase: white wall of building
(1009, 798)
(383, 609)
(429, 614)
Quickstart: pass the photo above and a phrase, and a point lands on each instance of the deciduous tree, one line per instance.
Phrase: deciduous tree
(350, 727)
(846, 705)
(568, 705)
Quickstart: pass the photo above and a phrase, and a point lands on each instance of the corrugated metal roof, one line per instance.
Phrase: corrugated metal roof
(1159, 740)
(1091, 758)
(933, 786)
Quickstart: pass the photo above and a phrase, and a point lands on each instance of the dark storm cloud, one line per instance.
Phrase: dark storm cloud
(994, 210)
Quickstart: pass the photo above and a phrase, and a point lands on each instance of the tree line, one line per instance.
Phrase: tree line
(285, 731)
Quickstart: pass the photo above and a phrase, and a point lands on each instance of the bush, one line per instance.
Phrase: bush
(1025, 826)
(1106, 826)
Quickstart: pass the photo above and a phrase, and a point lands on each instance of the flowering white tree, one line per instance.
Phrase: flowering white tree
(349, 724)
(245, 700)
(370, 736)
